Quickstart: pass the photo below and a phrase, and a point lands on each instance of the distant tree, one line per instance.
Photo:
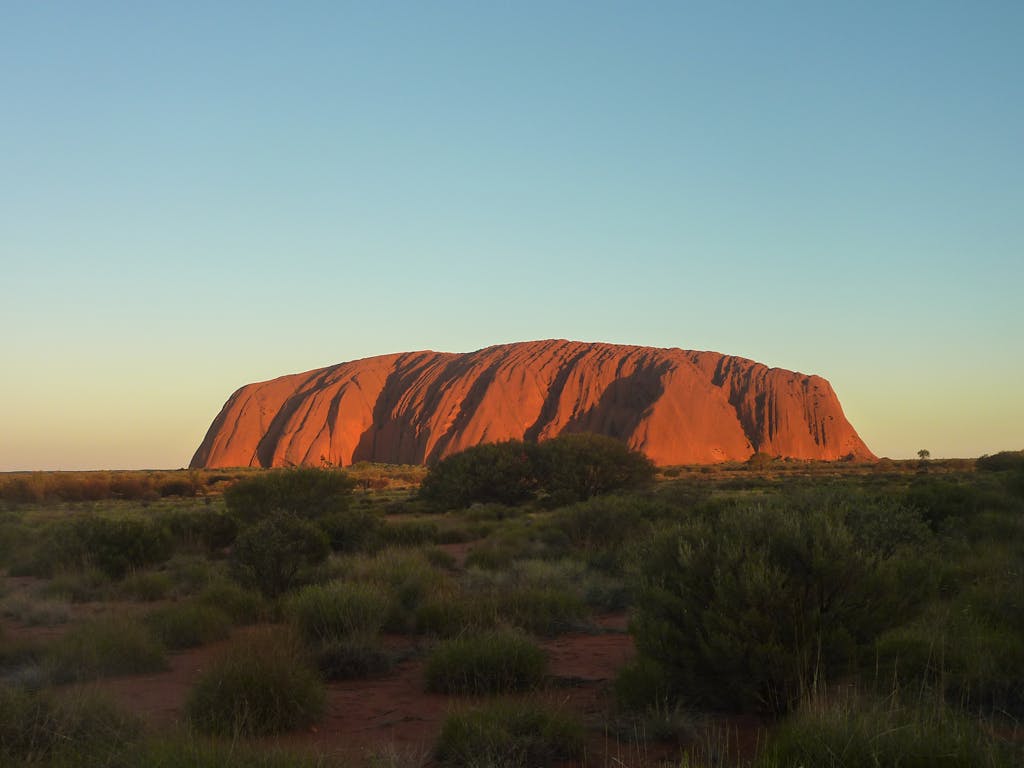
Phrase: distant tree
(924, 454)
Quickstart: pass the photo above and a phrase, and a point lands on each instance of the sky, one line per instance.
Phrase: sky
(200, 195)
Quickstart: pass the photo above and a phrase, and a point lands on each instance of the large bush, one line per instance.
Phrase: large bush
(495, 472)
(304, 492)
(277, 554)
(84, 728)
(577, 466)
(748, 608)
(114, 546)
(568, 468)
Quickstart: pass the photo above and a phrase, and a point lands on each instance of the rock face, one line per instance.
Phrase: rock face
(677, 406)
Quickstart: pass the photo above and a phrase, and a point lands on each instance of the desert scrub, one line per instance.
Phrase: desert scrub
(82, 586)
(146, 586)
(78, 729)
(243, 606)
(262, 687)
(406, 574)
(511, 734)
(32, 612)
(302, 492)
(861, 734)
(188, 624)
(452, 613)
(748, 608)
(499, 661)
(329, 612)
(104, 647)
(189, 751)
(278, 553)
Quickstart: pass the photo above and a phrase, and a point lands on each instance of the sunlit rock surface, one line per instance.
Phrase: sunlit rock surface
(677, 406)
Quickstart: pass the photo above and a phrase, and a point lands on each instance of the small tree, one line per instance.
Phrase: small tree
(924, 454)
(275, 555)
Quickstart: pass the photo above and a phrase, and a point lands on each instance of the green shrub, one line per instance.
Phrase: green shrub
(200, 529)
(411, 533)
(36, 612)
(278, 553)
(190, 573)
(575, 467)
(641, 685)
(104, 647)
(304, 492)
(83, 729)
(452, 613)
(331, 612)
(188, 624)
(868, 735)
(499, 661)
(750, 608)
(84, 586)
(511, 734)
(259, 688)
(406, 574)
(189, 751)
(114, 546)
(503, 472)
(353, 530)
(241, 605)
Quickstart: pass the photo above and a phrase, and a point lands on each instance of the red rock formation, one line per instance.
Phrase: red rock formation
(677, 406)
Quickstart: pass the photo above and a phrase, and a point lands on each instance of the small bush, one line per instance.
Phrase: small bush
(278, 553)
(241, 605)
(499, 661)
(200, 529)
(353, 530)
(82, 586)
(36, 612)
(867, 735)
(263, 687)
(452, 613)
(78, 730)
(511, 734)
(104, 647)
(188, 751)
(189, 624)
(331, 612)
(412, 533)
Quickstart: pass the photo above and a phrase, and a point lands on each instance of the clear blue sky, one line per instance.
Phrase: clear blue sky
(199, 195)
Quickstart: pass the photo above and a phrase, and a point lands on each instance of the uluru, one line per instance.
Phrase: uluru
(675, 405)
